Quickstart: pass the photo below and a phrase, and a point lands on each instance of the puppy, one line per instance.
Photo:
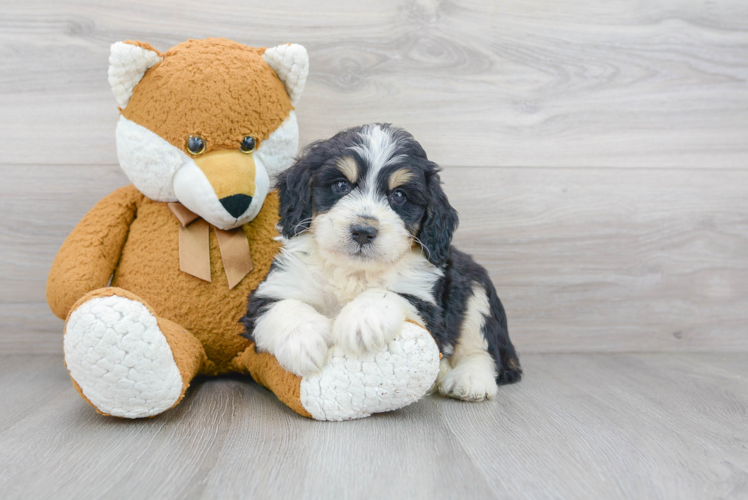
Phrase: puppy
(366, 232)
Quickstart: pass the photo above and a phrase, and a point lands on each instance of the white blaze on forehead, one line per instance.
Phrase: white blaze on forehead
(377, 149)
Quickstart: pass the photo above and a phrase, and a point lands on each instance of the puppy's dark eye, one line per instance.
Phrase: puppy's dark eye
(341, 187)
(248, 144)
(398, 197)
(195, 145)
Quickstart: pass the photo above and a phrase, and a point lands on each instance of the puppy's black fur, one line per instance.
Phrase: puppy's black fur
(256, 306)
(305, 190)
(445, 320)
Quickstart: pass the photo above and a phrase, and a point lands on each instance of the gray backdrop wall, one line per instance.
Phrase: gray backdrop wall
(596, 151)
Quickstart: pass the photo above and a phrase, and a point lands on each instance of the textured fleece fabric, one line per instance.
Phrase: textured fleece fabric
(201, 88)
(278, 151)
(149, 161)
(131, 363)
(355, 387)
(127, 65)
(137, 239)
(350, 387)
(291, 63)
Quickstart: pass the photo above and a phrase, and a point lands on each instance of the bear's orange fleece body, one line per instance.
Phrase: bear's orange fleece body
(145, 236)
(136, 240)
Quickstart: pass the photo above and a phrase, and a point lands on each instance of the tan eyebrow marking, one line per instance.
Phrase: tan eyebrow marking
(399, 177)
(348, 166)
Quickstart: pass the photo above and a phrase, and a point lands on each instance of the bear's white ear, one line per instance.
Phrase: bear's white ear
(291, 63)
(127, 65)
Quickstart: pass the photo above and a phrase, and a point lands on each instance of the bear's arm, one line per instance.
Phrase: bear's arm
(91, 251)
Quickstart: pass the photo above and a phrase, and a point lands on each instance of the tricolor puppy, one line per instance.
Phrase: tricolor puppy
(367, 236)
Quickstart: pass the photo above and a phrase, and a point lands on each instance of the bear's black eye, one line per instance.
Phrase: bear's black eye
(247, 145)
(195, 145)
(341, 187)
(398, 197)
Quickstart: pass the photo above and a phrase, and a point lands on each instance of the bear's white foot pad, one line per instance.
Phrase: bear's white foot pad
(351, 387)
(118, 356)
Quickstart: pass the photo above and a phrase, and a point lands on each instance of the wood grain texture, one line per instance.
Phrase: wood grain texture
(481, 83)
(649, 426)
(584, 259)
(614, 426)
(596, 153)
(600, 260)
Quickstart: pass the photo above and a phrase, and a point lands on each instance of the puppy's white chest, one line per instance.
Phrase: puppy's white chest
(336, 287)
(412, 276)
(302, 274)
(347, 287)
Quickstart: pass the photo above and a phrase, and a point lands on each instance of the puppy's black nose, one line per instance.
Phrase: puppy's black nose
(363, 234)
(236, 204)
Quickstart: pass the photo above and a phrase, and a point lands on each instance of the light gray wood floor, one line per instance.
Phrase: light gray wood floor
(661, 426)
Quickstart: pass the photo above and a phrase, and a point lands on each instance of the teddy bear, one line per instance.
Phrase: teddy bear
(153, 281)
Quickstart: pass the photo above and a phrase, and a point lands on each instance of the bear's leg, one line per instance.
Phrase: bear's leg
(353, 386)
(123, 359)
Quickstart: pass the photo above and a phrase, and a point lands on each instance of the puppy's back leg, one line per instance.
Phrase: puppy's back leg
(483, 356)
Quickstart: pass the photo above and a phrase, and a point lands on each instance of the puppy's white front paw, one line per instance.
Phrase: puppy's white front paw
(296, 334)
(471, 380)
(369, 322)
(305, 349)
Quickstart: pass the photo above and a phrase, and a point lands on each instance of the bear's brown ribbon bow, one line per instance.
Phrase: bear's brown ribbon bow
(194, 247)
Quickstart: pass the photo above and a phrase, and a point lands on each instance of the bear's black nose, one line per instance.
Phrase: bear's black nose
(363, 234)
(236, 204)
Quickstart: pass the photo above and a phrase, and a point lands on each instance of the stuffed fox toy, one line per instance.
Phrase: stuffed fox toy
(153, 281)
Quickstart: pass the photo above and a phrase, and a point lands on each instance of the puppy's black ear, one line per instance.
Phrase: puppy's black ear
(295, 190)
(439, 223)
